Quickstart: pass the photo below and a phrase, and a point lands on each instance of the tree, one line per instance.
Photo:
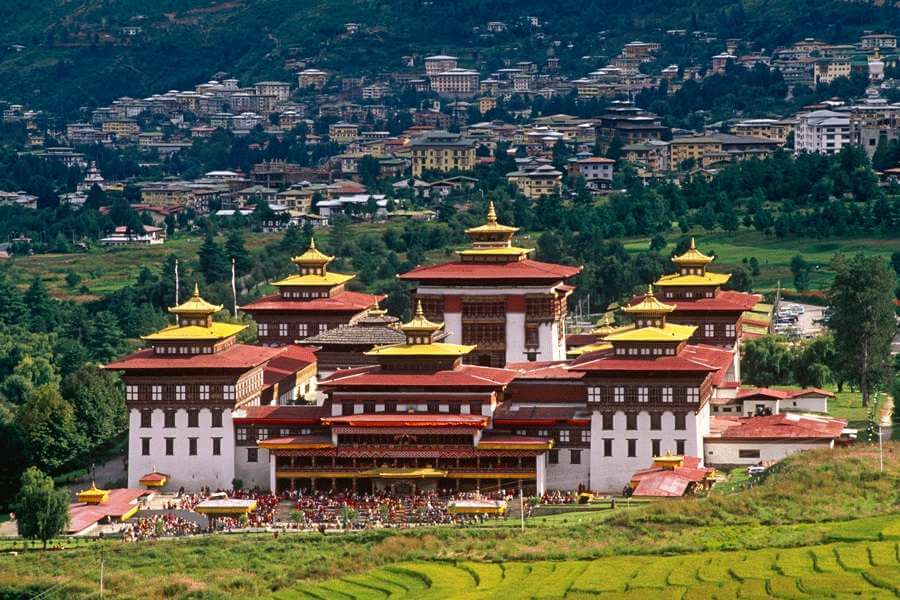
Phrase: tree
(12, 304)
(766, 361)
(800, 269)
(42, 512)
(42, 308)
(234, 248)
(862, 299)
(48, 426)
(214, 264)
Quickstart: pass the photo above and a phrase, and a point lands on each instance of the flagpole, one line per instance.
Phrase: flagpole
(176, 283)
(233, 287)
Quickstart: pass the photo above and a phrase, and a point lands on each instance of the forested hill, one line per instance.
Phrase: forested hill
(86, 53)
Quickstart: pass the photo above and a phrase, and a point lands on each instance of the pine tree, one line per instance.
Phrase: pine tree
(43, 311)
(12, 304)
(234, 248)
(214, 265)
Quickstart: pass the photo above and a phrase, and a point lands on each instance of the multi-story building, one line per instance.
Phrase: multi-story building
(823, 131)
(496, 298)
(721, 61)
(121, 128)
(310, 302)
(538, 182)
(878, 40)
(593, 169)
(343, 133)
(872, 121)
(651, 156)
(312, 78)
(827, 70)
(440, 63)
(631, 127)
(183, 390)
(455, 82)
(280, 90)
(771, 129)
(439, 150)
(721, 146)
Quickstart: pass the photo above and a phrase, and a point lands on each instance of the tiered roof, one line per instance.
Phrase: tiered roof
(421, 341)
(651, 326)
(195, 323)
(312, 270)
(692, 270)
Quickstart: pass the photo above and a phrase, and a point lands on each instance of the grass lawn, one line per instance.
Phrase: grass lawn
(775, 255)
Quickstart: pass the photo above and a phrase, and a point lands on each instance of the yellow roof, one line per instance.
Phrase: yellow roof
(579, 350)
(504, 251)
(196, 305)
(419, 323)
(400, 473)
(705, 279)
(434, 349)
(312, 256)
(692, 257)
(218, 331)
(328, 279)
(492, 226)
(93, 495)
(608, 326)
(669, 333)
(649, 306)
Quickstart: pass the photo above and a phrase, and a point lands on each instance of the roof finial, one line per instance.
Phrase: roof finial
(312, 243)
(650, 290)
(196, 290)
(492, 213)
(420, 314)
(693, 244)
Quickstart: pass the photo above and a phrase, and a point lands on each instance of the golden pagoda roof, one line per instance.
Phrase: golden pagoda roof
(501, 251)
(676, 279)
(669, 333)
(492, 226)
(649, 306)
(312, 280)
(433, 349)
(93, 495)
(196, 306)
(216, 331)
(692, 257)
(312, 257)
(375, 310)
(579, 350)
(420, 324)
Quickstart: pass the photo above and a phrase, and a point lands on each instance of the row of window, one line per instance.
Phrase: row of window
(242, 434)
(631, 447)
(642, 394)
(348, 408)
(299, 330)
(169, 418)
(180, 392)
(169, 442)
(563, 436)
(646, 351)
(183, 350)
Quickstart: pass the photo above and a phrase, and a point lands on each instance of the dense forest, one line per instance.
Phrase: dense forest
(61, 56)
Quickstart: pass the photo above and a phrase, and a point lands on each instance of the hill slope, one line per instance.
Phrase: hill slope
(80, 53)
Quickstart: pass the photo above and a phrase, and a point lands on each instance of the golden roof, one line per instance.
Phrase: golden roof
(669, 333)
(492, 226)
(312, 257)
(93, 495)
(692, 257)
(375, 310)
(677, 279)
(313, 280)
(433, 349)
(195, 306)
(502, 251)
(579, 350)
(217, 331)
(649, 306)
(419, 323)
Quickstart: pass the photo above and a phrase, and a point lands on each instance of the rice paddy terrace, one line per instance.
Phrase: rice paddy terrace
(856, 569)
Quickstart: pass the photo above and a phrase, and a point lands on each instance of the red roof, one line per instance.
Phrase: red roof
(573, 340)
(154, 476)
(239, 356)
(716, 356)
(660, 482)
(292, 360)
(610, 363)
(342, 302)
(781, 394)
(518, 271)
(725, 301)
(545, 370)
(541, 415)
(785, 426)
(119, 502)
(462, 376)
(408, 420)
(282, 415)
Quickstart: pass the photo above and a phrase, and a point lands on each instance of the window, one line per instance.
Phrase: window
(145, 446)
(228, 392)
(680, 421)
(619, 394)
(543, 433)
(730, 330)
(131, 393)
(282, 329)
(654, 447)
(284, 432)
(679, 447)
(217, 446)
(303, 329)
(180, 392)
(632, 448)
(608, 421)
(655, 421)
(262, 329)
(553, 457)
(323, 327)
(217, 417)
(252, 455)
(693, 395)
(667, 394)
(193, 417)
(192, 446)
(643, 394)
(521, 432)
(631, 421)
(262, 434)
(170, 446)
(709, 330)
(169, 419)
(146, 418)
(156, 393)
(748, 453)
(594, 394)
(575, 457)
(586, 436)
(204, 392)
(607, 447)
(564, 436)
(241, 434)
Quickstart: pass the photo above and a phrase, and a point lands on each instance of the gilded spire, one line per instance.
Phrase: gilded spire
(420, 325)
(692, 257)
(491, 214)
(312, 257)
(195, 306)
(649, 306)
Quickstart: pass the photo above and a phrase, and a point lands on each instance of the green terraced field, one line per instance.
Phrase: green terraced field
(857, 569)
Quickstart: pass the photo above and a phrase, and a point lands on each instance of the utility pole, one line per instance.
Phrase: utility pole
(522, 505)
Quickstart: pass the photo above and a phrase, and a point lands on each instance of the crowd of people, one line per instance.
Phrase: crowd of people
(157, 526)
